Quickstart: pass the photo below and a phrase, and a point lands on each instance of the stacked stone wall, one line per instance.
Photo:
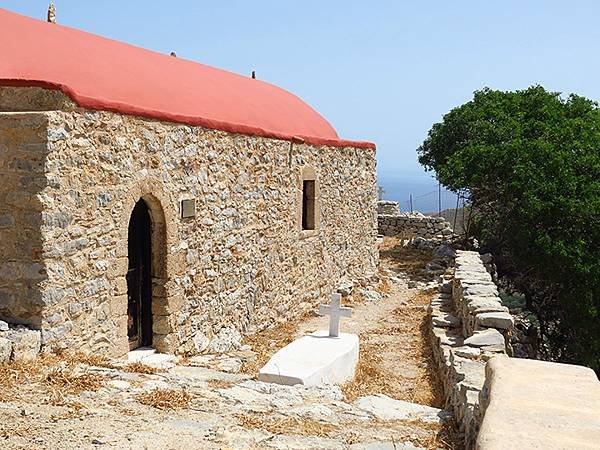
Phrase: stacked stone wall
(469, 326)
(391, 222)
(388, 208)
(240, 264)
(23, 152)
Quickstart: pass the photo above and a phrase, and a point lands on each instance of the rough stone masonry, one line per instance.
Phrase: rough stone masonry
(69, 180)
(408, 225)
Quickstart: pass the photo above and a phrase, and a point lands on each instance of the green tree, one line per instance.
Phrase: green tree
(530, 163)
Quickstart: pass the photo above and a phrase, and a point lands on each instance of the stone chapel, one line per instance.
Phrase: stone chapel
(147, 200)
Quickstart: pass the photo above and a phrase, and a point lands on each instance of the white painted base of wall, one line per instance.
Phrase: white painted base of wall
(314, 360)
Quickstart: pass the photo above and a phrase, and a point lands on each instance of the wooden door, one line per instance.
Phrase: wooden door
(139, 277)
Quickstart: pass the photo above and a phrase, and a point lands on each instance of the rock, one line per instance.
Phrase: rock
(487, 258)
(57, 134)
(372, 296)
(434, 266)
(4, 326)
(501, 320)
(151, 358)
(444, 251)
(230, 365)
(477, 305)
(541, 405)
(26, 344)
(385, 446)
(445, 320)
(286, 442)
(467, 352)
(120, 385)
(152, 385)
(313, 412)
(388, 207)
(247, 399)
(386, 408)
(206, 374)
(226, 340)
(446, 288)
(345, 288)
(201, 342)
(485, 338)
(5, 350)
(449, 337)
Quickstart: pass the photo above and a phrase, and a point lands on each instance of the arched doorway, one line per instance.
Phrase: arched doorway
(139, 277)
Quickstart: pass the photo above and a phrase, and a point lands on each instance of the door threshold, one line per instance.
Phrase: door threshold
(149, 356)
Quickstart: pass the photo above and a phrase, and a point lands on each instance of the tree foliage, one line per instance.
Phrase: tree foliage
(530, 162)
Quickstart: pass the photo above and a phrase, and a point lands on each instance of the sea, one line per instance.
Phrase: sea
(424, 189)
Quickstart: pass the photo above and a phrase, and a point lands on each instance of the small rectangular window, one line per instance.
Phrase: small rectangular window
(308, 205)
(188, 208)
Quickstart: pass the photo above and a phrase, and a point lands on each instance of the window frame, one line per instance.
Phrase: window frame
(308, 173)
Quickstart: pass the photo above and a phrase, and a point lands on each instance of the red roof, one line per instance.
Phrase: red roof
(100, 73)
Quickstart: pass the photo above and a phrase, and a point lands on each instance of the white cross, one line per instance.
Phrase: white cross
(335, 311)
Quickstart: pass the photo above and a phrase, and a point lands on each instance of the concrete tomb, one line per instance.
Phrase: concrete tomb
(319, 358)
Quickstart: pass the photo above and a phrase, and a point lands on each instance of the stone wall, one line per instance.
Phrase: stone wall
(469, 325)
(391, 222)
(241, 263)
(23, 152)
(385, 207)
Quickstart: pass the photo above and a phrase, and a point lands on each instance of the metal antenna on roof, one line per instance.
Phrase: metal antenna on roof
(51, 13)
(173, 54)
(254, 74)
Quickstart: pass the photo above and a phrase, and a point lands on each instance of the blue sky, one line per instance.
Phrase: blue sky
(382, 71)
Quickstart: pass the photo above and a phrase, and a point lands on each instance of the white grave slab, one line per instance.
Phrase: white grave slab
(324, 357)
(314, 360)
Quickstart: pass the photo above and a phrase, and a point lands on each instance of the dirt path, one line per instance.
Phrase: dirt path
(394, 353)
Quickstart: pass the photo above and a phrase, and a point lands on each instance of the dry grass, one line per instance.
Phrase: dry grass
(54, 373)
(67, 382)
(437, 436)
(374, 376)
(287, 425)
(220, 384)
(11, 429)
(165, 399)
(370, 378)
(434, 436)
(138, 367)
(16, 374)
(91, 360)
(405, 259)
(267, 342)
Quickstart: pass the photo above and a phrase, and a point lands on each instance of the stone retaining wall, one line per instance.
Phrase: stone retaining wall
(469, 325)
(538, 404)
(391, 222)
